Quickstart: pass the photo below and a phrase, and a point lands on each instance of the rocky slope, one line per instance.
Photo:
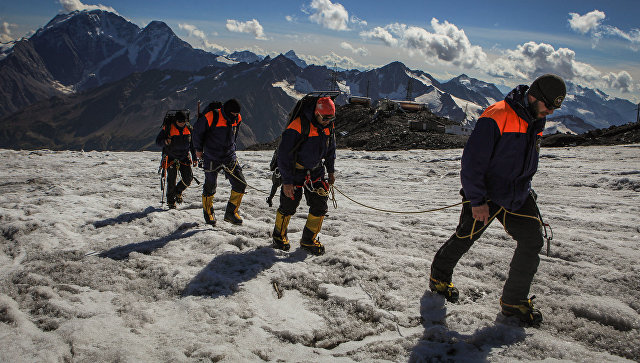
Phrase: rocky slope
(614, 135)
(360, 127)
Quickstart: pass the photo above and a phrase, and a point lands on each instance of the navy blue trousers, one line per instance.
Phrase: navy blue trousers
(527, 232)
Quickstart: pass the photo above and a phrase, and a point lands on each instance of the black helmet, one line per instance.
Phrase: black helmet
(231, 105)
(180, 116)
(549, 89)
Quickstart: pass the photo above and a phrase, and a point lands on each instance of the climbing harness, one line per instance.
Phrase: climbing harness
(322, 191)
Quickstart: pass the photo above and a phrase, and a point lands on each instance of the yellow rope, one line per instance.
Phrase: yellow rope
(320, 191)
(393, 211)
(230, 172)
(504, 222)
(473, 227)
(473, 231)
(331, 193)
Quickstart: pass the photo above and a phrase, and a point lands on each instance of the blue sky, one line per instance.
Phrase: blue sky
(592, 43)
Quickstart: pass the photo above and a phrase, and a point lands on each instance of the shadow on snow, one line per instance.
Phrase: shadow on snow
(126, 217)
(439, 343)
(223, 275)
(146, 247)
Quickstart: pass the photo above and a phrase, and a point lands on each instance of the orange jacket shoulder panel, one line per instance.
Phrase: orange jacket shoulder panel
(209, 117)
(505, 118)
(296, 125)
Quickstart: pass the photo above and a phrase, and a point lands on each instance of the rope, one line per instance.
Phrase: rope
(473, 231)
(473, 226)
(504, 224)
(330, 193)
(393, 211)
(230, 172)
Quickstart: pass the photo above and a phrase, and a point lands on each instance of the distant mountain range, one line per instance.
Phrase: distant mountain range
(93, 80)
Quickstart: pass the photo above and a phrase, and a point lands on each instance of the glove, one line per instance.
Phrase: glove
(194, 163)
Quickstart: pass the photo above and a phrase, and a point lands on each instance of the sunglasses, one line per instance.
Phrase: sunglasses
(327, 118)
(547, 104)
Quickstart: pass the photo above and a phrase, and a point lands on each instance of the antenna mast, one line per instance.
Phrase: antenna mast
(334, 78)
(409, 90)
(198, 103)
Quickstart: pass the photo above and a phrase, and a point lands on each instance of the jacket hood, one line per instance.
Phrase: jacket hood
(517, 100)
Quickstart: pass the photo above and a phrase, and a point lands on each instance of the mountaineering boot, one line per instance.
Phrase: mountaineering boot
(280, 240)
(172, 205)
(523, 311)
(231, 213)
(445, 289)
(207, 210)
(180, 188)
(311, 229)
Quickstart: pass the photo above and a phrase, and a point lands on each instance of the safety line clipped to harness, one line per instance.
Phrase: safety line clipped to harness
(473, 231)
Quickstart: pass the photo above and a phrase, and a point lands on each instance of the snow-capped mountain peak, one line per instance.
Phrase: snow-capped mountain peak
(294, 57)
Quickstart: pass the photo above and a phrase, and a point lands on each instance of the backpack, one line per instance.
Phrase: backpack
(310, 98)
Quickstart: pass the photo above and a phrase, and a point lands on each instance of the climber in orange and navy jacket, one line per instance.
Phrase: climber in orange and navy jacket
(214, 139)
(175, 139)
(498, 164)
(304, 169)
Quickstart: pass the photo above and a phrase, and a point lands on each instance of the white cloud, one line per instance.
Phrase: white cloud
(73, 5)
(289, 18)
(362, 51)
(204, 42)
(193, 31)
(358, 21)
(215, 48)
(533, 59)
(333, 59)
(5, 32)
(621, 81)
(329, 15)
(381, 34)
(592, 23)
(587, 22)
(632, 36)
(447, 42)
(251, 26)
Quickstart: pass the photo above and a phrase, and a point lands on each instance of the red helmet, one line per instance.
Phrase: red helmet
(325, 106)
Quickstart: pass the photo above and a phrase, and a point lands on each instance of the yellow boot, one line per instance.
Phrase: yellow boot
(309, 241)
(280, 240)
(231, 213)
(207, 210)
